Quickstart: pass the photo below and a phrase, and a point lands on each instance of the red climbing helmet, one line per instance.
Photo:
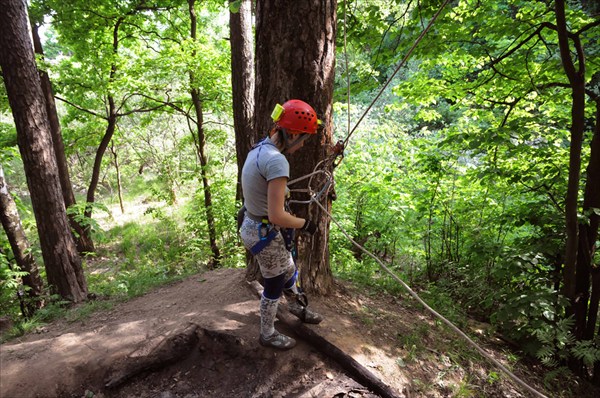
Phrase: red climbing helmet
(296, 115)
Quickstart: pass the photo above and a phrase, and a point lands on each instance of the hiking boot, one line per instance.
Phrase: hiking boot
(277, 340)
(305, 314)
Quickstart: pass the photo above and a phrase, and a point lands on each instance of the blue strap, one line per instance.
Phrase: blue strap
(263, 242)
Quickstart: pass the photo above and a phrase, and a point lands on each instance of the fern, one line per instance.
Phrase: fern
(587, 351)
(556, 342)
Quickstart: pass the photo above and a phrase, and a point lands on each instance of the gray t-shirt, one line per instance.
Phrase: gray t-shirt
(263, 164)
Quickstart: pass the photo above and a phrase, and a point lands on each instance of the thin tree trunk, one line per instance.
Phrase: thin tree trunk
(575, 275)
(23, 86)
(201, 149)
(11, 222)
(118, 170)
(111, 118)
(589, 234)
(591, 200)
(82, 237)
(97, 168)
(577, 82)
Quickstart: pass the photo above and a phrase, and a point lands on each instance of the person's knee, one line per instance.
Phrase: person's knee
(273, 287)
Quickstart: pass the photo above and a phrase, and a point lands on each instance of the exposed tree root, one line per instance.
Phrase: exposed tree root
(355, 369)
(179, 345)
(170, 350)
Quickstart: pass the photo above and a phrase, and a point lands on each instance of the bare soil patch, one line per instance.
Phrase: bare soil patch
(223, 357)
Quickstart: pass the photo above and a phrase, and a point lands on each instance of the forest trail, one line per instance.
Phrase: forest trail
(76, 359)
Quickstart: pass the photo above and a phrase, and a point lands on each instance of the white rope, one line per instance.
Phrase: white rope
(431, 310)
(315, 199)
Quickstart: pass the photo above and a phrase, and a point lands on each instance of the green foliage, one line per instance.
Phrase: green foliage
(78, 210)
(10, 283)
(55, 308)
(455, 178)
(555, 340)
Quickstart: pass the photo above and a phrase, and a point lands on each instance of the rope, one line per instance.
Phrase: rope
(316, 197)
(415, 44)
(347, 69)
(431, 310)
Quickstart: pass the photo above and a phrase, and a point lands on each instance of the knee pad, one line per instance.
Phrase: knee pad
(274, 286)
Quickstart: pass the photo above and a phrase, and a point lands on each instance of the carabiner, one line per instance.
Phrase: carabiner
(263, 226)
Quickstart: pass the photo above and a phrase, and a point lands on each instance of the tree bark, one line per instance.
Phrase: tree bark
(295, 57)
(23, 86)
(577, 82)
(588, 234)
(576, 273)
(83, 240)
(242, 84)
(11, 222)
(201, 149)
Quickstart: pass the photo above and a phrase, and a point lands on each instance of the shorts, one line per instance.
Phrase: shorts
(274, 259)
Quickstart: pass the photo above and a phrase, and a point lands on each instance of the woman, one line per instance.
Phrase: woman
(264, 184)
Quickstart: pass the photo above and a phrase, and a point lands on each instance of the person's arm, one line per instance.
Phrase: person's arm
(275, 199)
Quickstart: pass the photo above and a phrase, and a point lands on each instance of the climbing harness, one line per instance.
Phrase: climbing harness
(269, 235)
(315, 197)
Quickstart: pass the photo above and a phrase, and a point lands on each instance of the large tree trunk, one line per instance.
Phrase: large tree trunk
(82, 238)
(201, 149)
(295, 56)
(11, 222)
(21, 77)
(242, 84)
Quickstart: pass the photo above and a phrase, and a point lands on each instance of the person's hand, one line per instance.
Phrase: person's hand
(309, 227)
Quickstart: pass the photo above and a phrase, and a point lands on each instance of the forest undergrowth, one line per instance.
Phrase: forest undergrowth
(143, 249)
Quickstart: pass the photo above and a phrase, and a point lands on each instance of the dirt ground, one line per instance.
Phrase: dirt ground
(225, 360)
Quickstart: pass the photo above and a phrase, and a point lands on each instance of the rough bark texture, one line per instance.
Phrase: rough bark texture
(11, 222)
(83, 240)
(62, 261)
(242, 84)
(295, 57)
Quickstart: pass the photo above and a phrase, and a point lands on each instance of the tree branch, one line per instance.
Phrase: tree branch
(80, 107)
